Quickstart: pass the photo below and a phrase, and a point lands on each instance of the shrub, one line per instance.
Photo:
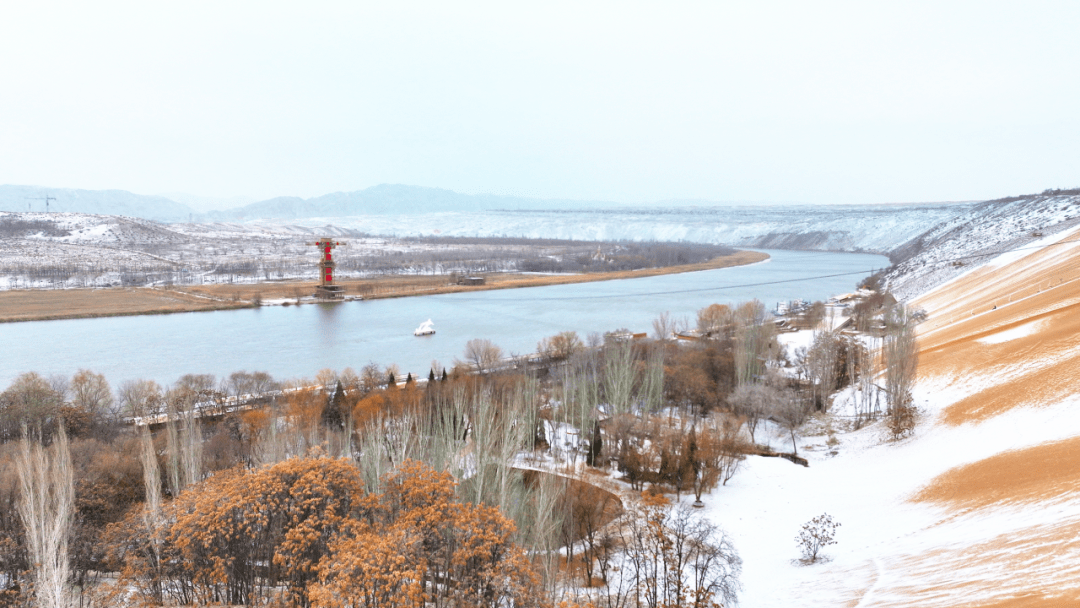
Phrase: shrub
(815, 535)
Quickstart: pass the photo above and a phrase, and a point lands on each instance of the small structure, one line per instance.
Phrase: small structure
(326, 289)
(471, 281)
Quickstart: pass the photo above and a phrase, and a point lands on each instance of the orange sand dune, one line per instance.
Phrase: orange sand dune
(1037, 474)
(1006, 337)
(1013, 330)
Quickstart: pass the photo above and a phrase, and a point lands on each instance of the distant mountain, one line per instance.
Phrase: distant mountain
(99, 202)
(202, 204)
(392, 199)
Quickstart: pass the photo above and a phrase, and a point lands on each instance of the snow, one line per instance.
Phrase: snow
(1012, 334)
(877, 228)
(995, 232)
(892, 551)
(792, 341)
(866, 487)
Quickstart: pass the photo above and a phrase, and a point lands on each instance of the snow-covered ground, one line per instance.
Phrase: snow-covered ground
(969, 511)
(985, 231)
(873, 228)
(66, 250)
(83, 250)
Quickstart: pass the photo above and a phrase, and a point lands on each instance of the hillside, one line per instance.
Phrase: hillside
(980, 507)
(865, 228)
(408, 211)
(952, 247)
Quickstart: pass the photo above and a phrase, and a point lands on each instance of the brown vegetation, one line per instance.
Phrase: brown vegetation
(31, 305)
(36, 305)
(273, 500)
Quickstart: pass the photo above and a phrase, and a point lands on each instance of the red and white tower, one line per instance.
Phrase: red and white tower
(326, 288)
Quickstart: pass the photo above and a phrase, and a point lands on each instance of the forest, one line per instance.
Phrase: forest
(556, 480)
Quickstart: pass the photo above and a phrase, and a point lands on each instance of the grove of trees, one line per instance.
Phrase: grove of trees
(469, 489)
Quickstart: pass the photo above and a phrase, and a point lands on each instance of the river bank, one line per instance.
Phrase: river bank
(44, 305)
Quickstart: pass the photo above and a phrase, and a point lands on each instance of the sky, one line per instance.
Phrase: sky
(634, 102)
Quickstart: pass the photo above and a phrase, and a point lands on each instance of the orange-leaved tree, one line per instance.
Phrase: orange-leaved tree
(420, 547)
(306, 526)
(241, 530)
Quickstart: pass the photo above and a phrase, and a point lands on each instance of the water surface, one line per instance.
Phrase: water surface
(298, 341)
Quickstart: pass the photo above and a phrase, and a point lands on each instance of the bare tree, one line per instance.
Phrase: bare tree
(663, 326)
(91, 394)
(822, 365)
(560, 347)
(675, 558)
(371, 377)
(152, 510)
(620, 374)
(172, 454)
(47, 508)
(719, 453)
(714, 319)
(191, 448)
(859, 362)
(790, 411)
(901, 358)
(61, 385)
(650, 395)
(754, 403)
(754, 334)
(482, 354)
(140, 398)
(29, 401)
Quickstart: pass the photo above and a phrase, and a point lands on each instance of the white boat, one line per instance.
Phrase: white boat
(426, 329)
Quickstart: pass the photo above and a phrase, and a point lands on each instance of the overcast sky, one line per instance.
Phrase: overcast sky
(810, 101)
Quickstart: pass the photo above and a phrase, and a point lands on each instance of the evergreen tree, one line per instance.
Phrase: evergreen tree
(391, 382)
(595, 445)
(431, 377)
(333, 415)
(408, 379)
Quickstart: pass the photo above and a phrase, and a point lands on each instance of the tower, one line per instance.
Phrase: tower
(326, 288)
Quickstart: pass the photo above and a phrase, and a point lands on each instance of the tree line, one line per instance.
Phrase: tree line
(174, 263)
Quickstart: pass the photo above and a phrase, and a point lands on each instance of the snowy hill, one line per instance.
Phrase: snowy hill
(868, 228)
(980, 507)
(404, 211)
(99, 202)
(953, 247)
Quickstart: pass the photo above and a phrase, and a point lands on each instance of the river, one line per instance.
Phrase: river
(298, 341)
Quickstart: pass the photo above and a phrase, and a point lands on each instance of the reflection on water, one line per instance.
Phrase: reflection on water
(293, 341)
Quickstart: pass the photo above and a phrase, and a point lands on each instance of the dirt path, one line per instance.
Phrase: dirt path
(37, 305)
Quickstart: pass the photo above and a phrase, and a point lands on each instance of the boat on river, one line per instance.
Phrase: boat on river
(426, 328)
